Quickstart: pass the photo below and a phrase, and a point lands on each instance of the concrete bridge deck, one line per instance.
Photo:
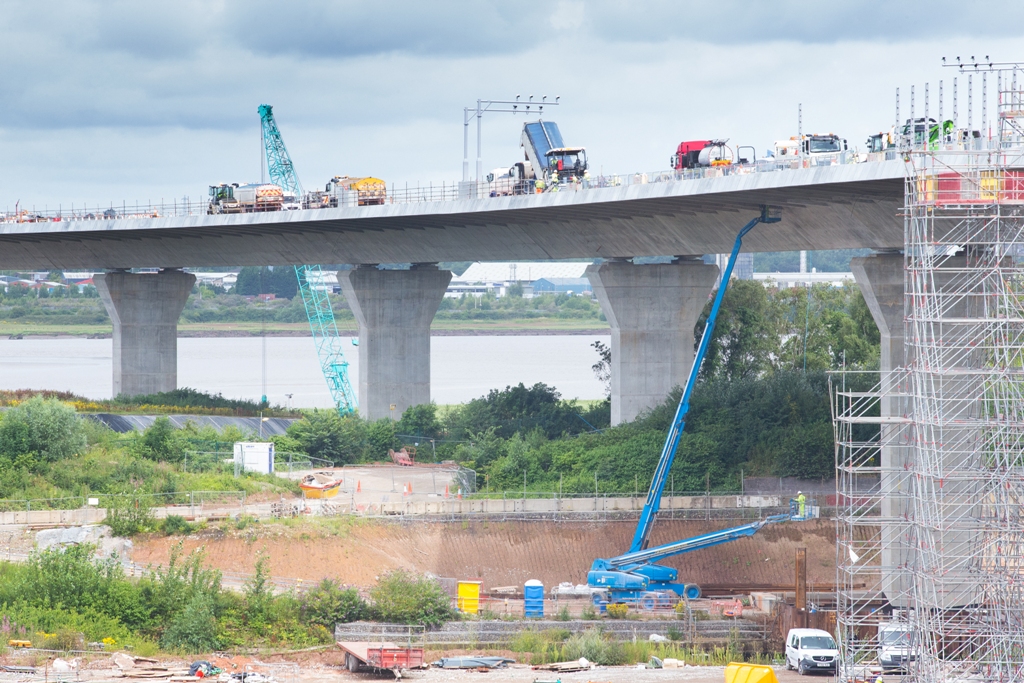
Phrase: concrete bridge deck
(826, 207)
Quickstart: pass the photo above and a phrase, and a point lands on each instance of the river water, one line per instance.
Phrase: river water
(462, 368)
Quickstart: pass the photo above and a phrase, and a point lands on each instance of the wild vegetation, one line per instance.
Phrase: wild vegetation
(761, 408)
(64, 598)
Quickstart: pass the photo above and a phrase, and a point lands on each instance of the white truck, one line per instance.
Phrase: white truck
(811, 150)
(895, 646)
(247, 198)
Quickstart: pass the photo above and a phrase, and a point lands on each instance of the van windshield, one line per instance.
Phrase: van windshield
(896, 637)
(817, 643)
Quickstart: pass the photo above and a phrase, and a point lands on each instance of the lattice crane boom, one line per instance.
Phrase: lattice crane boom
(312, 286)
(279, 162)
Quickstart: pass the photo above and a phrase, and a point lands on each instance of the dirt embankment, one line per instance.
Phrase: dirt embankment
(499, 553)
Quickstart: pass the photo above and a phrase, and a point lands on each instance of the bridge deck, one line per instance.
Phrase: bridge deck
(829, 207)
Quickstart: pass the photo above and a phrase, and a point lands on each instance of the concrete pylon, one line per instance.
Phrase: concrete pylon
(394, 309)
(145, 308)
(880, 278)
(652, 310)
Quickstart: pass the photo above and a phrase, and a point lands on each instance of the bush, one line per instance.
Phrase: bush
(50, 429)
(259, 593)
(129, 515)
(329, 603)
(176, 524)
(194, 630)
(400, 597)
(592, 645)
(617, 610)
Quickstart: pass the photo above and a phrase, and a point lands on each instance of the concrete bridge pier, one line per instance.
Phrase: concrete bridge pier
(652, 310)
(394, 309)
(880, 278)
(145, 308)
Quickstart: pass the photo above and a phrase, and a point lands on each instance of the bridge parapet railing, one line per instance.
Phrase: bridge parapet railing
(441, 192)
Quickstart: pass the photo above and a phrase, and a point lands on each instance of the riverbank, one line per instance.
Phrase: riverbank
(441, 328)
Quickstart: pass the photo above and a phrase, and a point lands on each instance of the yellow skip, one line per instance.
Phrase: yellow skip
(738, 672)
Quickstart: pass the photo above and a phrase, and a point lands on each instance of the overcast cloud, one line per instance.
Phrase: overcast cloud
(114, 100)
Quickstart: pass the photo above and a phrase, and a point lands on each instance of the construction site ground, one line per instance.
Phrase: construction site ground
(328, 665)
(357, 551)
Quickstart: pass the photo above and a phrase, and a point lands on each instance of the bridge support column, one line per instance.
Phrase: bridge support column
(652, 310)
(145, 308)
(394, 309)
(880, 278)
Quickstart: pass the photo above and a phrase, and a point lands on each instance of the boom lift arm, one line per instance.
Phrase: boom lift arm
(675, 432)
(633, 572)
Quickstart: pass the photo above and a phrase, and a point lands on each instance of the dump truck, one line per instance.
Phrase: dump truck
(548, 156)
(245, 198)
(347, 191)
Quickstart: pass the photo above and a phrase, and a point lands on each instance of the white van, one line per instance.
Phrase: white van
(810, 649)
(895, 646)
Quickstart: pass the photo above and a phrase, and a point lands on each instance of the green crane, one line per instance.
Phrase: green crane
(312, 286)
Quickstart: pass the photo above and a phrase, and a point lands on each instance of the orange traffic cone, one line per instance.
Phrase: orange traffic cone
(359, 486)
(410, 487)
(446, 491)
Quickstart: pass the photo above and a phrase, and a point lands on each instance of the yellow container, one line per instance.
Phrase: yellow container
(469, 597)
(738, 672)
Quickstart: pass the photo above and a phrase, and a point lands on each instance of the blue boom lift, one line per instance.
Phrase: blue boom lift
(634, 577)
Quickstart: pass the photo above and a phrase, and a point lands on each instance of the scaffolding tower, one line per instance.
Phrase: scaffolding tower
(930, 456)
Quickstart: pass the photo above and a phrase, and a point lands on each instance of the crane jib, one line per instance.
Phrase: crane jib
(668, 452)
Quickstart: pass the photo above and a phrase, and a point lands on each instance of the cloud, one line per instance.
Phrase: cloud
(159, 98)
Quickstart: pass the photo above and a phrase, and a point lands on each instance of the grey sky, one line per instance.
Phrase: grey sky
(118, 100)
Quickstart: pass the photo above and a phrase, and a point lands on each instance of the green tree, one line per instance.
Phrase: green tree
(381, 436)
(322, 434)
(277, 280)
(420, 420)
(746, 335)
(325, 434)
(43, 426)
(160, 441)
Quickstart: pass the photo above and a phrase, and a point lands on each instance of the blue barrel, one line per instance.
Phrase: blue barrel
(533, 603)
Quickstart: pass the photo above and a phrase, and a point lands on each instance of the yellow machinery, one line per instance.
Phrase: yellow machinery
(739, 672)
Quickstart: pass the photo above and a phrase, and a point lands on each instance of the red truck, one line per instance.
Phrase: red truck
(697, 153)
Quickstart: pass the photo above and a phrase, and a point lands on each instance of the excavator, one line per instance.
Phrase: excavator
(635, 577)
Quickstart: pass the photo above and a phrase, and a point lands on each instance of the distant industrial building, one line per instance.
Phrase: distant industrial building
(562, 285)
(534, 277)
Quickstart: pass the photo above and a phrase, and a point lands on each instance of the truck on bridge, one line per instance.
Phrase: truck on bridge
(247, 198)
(698, 153)
(811, 150)
(547, 155)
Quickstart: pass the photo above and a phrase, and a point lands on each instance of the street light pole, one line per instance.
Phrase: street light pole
(465, 144)
(479, 159)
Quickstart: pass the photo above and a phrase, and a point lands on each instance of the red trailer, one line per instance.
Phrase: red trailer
(381, 655)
